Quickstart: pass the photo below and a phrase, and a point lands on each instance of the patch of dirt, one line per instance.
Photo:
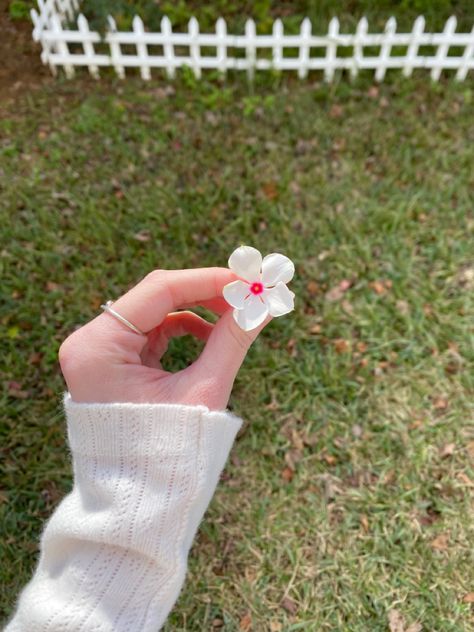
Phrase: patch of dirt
(20, 68)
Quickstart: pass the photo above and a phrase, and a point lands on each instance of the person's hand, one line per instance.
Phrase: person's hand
(105, 361)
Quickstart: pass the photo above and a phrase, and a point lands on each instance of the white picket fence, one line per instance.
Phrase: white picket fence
(167, 50)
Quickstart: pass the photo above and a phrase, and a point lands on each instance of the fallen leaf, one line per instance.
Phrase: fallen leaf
(13, 332)
(465, 278)
(275, 626)
(142, 235)
(95, 303)
(270, 190)
(339, 144)
(440, 543)
(357, 430)
(364, 521)
(447, 450)
(378, 287)
(465, 479)
(403, 307)
(341, 345)
(51, 286)
(35, 357)
(15, 390)
(414, 627)
(313, 288)
(287, 474)
(324, 254)
(217, 623)
(289, 605)
(245, 622)
(396, 622)
(373, 92)
(315, 329)
(347, 307)
(468, 598)
(336, 111)
(292, 348)
(337, 292)
(297, 439)
(330, 459)
(440, 403)
(292, 457)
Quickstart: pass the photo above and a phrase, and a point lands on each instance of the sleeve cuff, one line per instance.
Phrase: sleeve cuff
(114, 429)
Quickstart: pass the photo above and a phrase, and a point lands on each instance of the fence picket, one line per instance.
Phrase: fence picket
(194, 47)
(221, 33)
(305, 33)
(62, 46)
(168, 47)
(277, 50)
(115, 50)
(250, 50)
(50, 28)
(468, 57)
(412, 51)
(142, 50)
(442, 52)
(331, 49)
(89, 52)
(386, 48)
(361, 32)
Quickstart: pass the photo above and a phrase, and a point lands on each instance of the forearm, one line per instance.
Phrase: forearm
(114, 554)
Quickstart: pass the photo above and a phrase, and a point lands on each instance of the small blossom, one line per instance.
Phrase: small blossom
(262, 289)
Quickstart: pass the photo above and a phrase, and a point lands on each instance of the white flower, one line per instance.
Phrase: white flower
(263, 289)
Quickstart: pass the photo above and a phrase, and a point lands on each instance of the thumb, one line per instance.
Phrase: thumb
(226, 349)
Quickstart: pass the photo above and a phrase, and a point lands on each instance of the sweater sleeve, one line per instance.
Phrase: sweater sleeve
(113, 555)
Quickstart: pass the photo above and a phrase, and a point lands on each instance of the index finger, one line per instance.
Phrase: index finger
(165, 291)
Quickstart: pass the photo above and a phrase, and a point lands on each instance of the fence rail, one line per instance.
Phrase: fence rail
(305, 52)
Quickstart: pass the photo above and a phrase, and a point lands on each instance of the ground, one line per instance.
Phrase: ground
(346, 503)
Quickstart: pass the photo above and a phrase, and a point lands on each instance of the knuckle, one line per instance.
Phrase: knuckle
(243, 339)
(155, 276)
(71, 352)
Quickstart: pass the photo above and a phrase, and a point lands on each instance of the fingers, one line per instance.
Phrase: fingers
(226, 349)
(163, 291)
(175, 324)
(185, 323)
(217, 305)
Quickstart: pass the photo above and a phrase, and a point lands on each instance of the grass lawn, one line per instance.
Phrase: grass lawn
(346, 501)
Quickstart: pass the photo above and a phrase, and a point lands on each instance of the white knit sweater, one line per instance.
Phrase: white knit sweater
(113, 556)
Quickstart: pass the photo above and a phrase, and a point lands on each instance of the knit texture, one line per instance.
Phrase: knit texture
(113, 555)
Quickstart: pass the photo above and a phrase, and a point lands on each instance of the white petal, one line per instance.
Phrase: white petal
(279, 299)
(275, 268)
(235, 293)
(254, 313)
(246, 262)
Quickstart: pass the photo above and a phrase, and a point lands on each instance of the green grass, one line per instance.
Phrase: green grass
(341, 501)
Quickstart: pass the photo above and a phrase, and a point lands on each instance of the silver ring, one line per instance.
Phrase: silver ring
(123, 320)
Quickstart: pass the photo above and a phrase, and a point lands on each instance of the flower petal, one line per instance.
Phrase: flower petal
(276, 268)
(246, 262)
(235, 293)
(279, 299)
(254, 313)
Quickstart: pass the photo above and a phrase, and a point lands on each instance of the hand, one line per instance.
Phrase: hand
(105, 361)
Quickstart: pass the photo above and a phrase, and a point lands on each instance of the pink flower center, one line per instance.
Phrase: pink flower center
(256, 288)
